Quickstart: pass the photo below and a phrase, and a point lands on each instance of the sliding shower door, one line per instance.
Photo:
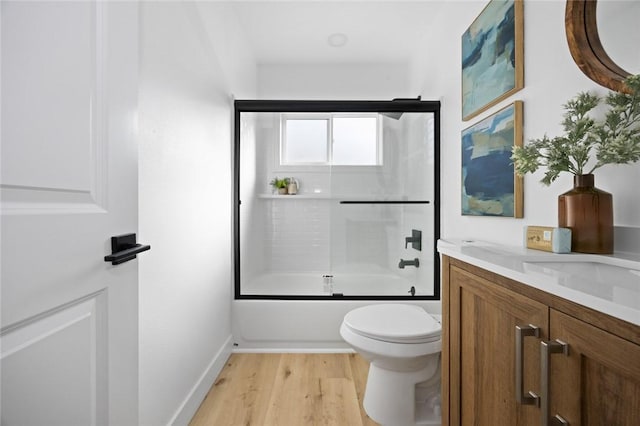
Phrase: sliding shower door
(382, 215)
(357, 215)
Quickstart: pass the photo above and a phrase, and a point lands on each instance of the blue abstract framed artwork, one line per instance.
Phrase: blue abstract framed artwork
(490, 186)
(492, 56)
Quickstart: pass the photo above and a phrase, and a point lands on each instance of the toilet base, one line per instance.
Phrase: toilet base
(390, 396)
(426, 415)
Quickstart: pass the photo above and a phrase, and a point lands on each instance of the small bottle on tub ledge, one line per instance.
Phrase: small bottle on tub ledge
(292, 188)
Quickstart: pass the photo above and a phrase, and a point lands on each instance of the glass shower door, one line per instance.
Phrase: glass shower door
(360, 223)
(382, 214)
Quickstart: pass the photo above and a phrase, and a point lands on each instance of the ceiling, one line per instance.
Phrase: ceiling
(297, 31)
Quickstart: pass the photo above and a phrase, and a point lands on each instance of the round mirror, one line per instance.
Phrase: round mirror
(587, 48)
(619, 32)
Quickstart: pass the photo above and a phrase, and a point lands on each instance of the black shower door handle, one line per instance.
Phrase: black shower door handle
(124, 248)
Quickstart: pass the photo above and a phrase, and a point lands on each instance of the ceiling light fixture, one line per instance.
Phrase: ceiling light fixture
(337, 40)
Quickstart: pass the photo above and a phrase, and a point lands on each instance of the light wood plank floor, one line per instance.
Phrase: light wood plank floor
(287, 390)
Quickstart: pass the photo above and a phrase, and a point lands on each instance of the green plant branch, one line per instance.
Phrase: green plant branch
(615, 139)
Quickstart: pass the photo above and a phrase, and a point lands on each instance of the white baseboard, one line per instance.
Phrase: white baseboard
(188, 408)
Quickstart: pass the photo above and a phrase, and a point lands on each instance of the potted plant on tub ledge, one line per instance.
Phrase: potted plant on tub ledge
(614, 139)
(279, 185)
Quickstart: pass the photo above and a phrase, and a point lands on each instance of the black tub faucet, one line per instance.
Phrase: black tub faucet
(415, 262)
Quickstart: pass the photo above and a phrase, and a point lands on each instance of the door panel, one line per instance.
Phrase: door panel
(69, 183)
(597, 383)
(70, 339)
(483, 352)
(56, 119)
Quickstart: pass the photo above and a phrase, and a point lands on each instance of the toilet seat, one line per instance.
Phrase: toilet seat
(393, 323)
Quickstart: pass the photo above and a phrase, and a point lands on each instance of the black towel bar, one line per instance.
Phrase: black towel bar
(384, 202)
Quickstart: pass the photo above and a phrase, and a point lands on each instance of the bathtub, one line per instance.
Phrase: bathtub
(307, 325)
(314, 284)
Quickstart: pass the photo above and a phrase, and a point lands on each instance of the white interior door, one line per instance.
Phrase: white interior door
(69, 182)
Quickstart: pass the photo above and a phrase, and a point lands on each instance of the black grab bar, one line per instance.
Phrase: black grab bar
(384, 202)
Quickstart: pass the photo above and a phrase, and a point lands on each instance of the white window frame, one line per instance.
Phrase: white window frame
(329, 118)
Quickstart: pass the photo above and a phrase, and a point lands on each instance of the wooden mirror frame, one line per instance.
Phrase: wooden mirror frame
(586, 49)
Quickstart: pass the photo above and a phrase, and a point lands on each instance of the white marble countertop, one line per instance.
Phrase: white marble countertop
(609, 284)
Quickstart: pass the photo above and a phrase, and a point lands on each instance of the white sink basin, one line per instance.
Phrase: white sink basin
(606, 278)
(592, 271)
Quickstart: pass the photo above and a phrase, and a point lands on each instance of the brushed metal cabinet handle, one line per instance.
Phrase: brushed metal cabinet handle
(558, 420)
(522, 332)
(546, 349)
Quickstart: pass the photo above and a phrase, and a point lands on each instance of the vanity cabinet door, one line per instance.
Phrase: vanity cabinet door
(481, 319)
(598, 382)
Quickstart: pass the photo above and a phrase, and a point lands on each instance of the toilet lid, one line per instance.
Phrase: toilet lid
(396, 323)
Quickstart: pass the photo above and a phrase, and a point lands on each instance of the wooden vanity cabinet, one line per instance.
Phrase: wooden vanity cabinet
(481, 319)
(597, 383)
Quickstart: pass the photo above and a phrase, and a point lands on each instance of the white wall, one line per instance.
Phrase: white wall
(333, 81)
(551, 78)
(185, 125)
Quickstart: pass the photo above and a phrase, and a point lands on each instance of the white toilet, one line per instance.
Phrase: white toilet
(402, 343)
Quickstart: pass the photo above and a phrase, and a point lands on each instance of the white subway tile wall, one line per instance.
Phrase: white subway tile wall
(297, 235)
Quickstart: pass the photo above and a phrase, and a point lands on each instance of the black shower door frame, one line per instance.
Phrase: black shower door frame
(328, 106)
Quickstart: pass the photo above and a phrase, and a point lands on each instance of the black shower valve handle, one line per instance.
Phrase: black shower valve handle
(415, 239)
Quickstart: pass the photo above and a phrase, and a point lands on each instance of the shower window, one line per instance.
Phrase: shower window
(304, 140)
(356, 141)
(366, 206)
(331, 139)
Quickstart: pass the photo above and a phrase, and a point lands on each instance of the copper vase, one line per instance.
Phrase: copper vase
(588, 211)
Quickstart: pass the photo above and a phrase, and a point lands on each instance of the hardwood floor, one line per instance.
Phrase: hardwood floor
(287, 390)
